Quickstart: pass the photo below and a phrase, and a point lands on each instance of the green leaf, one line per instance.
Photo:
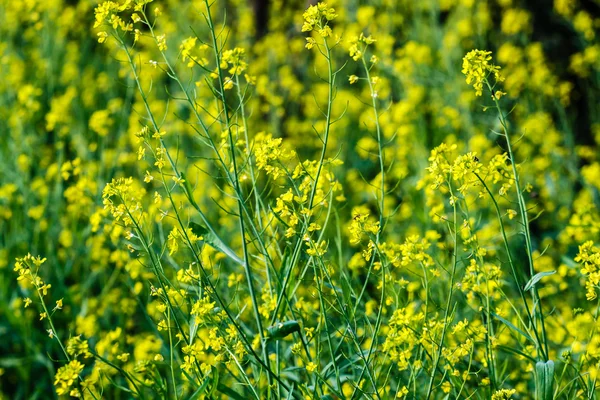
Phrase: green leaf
(569, 262)
(210, 238)
(283, 329)
(229, 392)
(536, 278)
(215, 382)
(198, 229)
(544, 375)
(330, 286)
(349, 297)
(516, 351)
(201, 389)
(513, 327)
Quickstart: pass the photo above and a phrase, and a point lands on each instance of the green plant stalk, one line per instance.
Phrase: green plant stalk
(488, 318)
(231, 179)
(242, 372)
(171, 353)
(155, 126)
(347, 320)
(293, 294)
(298, 246)
(379, 146)
(258, 204)
(413, 376)
(157, 271)
(352, 333)
(247, 268)
(230, 253)
(120, 370)
(257, 198)
(178, 174)
(223, 305)
(323, 318)
(464, 382)
(381, 212)
(489, 333)
(510, 260)
(524, 221)
(437, 357)
(55, 333)
(322, 305)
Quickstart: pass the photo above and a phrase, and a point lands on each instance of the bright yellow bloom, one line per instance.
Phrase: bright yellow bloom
(477, 67)
(66, 376)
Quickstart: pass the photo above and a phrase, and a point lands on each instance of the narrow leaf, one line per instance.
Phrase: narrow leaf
(536, 278)
(230, 392)
(283, 329)
(210, 238)
(513, 327)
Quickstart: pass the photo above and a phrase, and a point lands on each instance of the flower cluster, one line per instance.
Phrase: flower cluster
(318, 18)
(477, 68)
(65, 378)
(589, 258)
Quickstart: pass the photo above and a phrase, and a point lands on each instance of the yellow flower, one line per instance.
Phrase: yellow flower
(309, 332)
(102, 37)
(446, 387)
(148, 177)
(402, 392)
(66, 376)
(161, 41)
(311, 367)
(503, 394)
(317, 18)
(477, 67)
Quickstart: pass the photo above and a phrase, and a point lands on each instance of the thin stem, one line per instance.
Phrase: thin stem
(236, 182)
(448, 301)
(525, 223)
(298, 246)
(510, 259)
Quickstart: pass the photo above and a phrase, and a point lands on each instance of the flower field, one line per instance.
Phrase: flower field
(285, 199)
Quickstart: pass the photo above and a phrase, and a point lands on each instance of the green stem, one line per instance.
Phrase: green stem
(448, 302)
(525, 222)
(236, 182)
(298, 246)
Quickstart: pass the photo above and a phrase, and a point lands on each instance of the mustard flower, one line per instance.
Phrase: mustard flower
(311, 367)
(234, 60)
(589, 258)
(65, 377)
(503, 394)
(477, 67)
(161, 42)
(317, 18)
(77, 346)
(102, 37)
